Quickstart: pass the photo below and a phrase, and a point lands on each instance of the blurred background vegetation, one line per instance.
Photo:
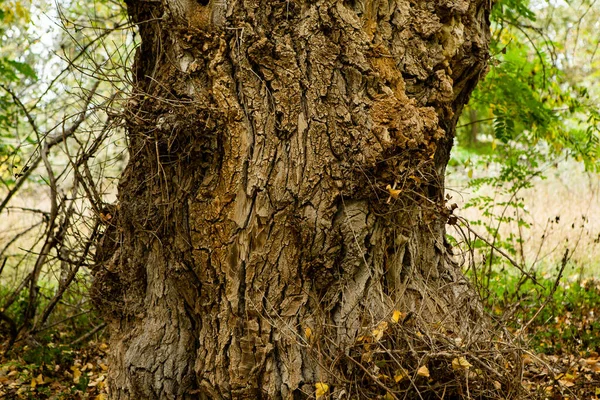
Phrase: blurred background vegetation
(524, 175)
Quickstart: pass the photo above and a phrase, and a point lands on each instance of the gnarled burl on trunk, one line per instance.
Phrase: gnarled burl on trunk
(285, 190)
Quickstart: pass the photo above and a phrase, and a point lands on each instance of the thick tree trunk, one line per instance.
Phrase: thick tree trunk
(285, 190)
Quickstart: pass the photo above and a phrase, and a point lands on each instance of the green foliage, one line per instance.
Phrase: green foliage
(527, 97)
(10, 70)
(48, 354)
(63, 326)
(512, 10)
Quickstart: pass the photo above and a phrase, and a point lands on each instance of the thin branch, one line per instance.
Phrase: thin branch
(53, 141)
(504, 254)
(88, 335)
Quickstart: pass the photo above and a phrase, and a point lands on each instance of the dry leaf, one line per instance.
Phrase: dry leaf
(76, 374)
(321, 389)
(423, 371)
(383, 377)
(400, 375)
(379, 331)
(460, 363)
(307, 333)
(396, 316)
(393, 192)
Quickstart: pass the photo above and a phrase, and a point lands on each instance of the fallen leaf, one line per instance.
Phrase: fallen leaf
(423, 371)
(400, 375)
(307, 333)
(396, 316)
(76, 374)
(321, 389)
(460, 363)
(379, 331)
(393, 192)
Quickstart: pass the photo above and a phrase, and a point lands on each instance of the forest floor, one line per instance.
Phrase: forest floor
(564, 361)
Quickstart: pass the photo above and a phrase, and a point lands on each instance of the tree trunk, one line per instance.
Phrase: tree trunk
(285, 191)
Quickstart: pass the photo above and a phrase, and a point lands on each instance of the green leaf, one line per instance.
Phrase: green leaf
(24, 69)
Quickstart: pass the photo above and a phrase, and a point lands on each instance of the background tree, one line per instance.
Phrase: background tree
(285, 194)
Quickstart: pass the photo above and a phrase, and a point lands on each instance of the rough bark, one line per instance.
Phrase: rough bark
(286, 172)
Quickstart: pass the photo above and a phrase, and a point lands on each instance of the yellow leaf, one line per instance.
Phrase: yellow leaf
(379, 331)
(566, 383)
(377, 334)
(21, 11)
(321, 389)
(365, 357)
(33, 383)
(40, 379)
(400, 375)
(101, 396)
(423, 371)
(460, 363)
(470, 173)
(388, 396)
(307, 333)
(416, 178)
(76, 374)
(393, 192)
(88, 367)
(396, 316)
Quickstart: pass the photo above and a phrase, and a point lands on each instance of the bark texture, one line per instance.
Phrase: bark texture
(286, 172)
